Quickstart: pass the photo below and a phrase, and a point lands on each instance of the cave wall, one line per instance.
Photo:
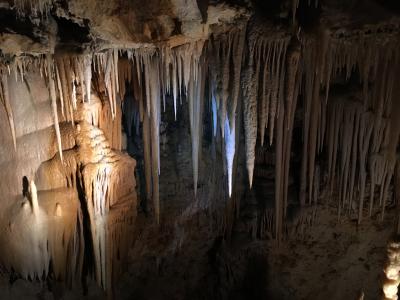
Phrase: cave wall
(50, 202)
(34, 110)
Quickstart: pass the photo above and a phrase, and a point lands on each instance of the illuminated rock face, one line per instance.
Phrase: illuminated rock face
(392, 272)
(92, 187)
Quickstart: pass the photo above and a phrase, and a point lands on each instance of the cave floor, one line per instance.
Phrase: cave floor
(331, 261)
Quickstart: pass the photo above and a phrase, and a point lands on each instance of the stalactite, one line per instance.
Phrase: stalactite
(360, 130)
(108, 60)
(250, 85)
(78, 74)
(225, 61)
(214, 114)
(364, 139)
(33, 7)
(293, 83)
(229, 152)
(87, 65)
(153, 83)
(53, 97)
(64, 90)
(115, 79)
(356, 133)
(193, 84)
(174, 84)
(295, 5)
(147, 156)
(263, 115)
(237, 41)
(196, 95)
(7, 104)
(275, 86)
(286, 104)
(315, 116)
(59, 89)
(225, 68)
(309, 83)
(354, 154)
(70, 81)
(279, 150)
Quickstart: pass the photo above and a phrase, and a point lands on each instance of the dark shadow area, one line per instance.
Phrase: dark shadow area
(72, 36)
(255, 281)
(88, 257)
(11, 23)
(25, 186)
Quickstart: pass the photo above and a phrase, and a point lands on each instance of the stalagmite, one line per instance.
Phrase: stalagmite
(34, 198)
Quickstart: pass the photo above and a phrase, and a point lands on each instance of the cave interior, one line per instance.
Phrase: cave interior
(199, 149)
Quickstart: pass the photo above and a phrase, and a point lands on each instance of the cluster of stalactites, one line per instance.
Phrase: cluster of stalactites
(356, 133)
(268, 76)
(270, 81)
(183, 75)
(64, 76)
(270, 89)
(263, 92)
(34, 7)
(295, 6)
(155, 74)
(225, 67)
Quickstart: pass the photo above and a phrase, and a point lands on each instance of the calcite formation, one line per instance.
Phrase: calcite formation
(392, 271)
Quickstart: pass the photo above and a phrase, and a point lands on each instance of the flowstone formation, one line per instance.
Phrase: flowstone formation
(88, 185)
(255, 82)
(391, 271)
